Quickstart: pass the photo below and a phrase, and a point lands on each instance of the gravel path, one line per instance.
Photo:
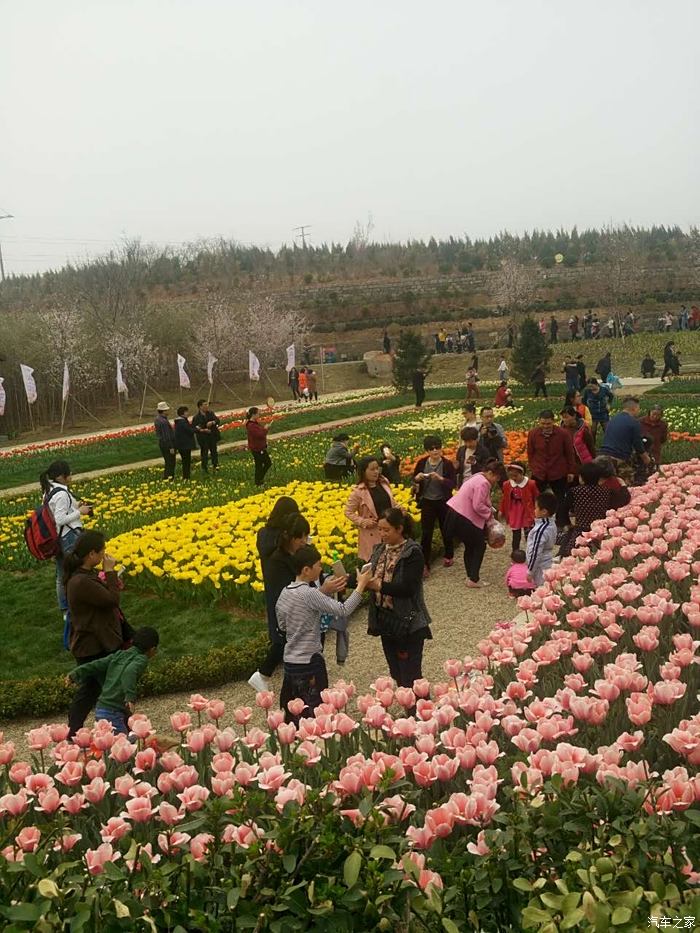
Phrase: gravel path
(461, 617)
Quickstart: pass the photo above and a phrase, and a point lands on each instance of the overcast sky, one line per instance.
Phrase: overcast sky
(178, 119)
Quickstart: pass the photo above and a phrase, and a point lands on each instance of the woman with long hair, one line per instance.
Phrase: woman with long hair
(574, 399)
(257, 444)
(368, 501)
(468, 512)
(68, 515)
(397, 610)
(97, 624)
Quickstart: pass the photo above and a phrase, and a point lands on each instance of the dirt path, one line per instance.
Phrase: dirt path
(461, 617)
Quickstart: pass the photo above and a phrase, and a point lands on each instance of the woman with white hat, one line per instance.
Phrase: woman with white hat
(166, 439)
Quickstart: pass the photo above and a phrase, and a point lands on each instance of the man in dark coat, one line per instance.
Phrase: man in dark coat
(206, 424)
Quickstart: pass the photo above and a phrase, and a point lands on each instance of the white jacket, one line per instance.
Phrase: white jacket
(64, 508)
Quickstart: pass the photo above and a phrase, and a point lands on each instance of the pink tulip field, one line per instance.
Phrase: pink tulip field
(551, 782)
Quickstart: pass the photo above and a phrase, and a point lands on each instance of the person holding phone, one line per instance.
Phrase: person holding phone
(397, 611)
(368, 500)
(97, 625)
(434, 479)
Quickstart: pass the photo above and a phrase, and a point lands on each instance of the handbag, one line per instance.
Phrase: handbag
(495, 533)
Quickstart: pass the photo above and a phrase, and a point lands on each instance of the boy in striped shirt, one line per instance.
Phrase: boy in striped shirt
(299, 611)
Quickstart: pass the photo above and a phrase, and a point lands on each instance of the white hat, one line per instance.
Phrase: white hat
(163, 406)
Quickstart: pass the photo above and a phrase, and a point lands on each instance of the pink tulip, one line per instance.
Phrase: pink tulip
(245, 773)
(294, 792)
(480, 848)
(286, 733)
(145, 760)
(36, 783)
(273, 778)
(255, 739)
(73, 803)
(264, 699)
(198, 703)
(296, 707)
(243, 836)
(123, 784)
(95, 767)
(7, 752)
(243, 714)
(173, 843)
(96, 859)
(139, 809)
(58, 731)
(184, 776)
(200, 843)
(122, 750)
(195, 741)
(83, 738)
(95, 790)
(420, 837)
(215, 711)
(639, 709)
(140, 725)
(181, 722)
(440, 821)
(667, 692)
(67, 842)
(28, 839)
(39, 739)
(49, 801)
(20, 771)
(193, 798)
(114, 829)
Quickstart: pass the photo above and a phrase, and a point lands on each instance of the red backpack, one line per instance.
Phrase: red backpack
(40, 531)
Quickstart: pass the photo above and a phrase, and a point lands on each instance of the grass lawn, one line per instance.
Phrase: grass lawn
(32, 627)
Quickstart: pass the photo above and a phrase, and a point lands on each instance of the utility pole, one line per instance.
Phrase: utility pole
(303, 235)
(2, 265)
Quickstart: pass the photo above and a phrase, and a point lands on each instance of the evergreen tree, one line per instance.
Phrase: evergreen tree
(531, 350)
(410, 355)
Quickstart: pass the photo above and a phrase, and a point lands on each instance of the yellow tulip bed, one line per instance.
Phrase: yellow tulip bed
(214, 550)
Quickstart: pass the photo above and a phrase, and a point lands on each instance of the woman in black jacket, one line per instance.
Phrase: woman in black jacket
(185, 441)
(671, 361)
(397, 612)
(434, 479)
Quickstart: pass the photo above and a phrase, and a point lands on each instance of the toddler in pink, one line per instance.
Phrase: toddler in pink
(518, 578)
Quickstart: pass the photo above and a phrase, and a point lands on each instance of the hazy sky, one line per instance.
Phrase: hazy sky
(178, 119)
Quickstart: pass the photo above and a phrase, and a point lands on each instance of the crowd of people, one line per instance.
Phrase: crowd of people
(581, 461)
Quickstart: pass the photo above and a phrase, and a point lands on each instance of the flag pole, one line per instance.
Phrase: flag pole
(323, 375)
(64, 409)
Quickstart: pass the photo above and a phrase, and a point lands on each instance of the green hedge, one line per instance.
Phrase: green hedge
(45, 696)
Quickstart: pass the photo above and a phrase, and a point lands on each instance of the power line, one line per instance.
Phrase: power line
(303, 235)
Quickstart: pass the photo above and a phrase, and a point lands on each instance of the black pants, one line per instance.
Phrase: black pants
(168, 462)
(186, 457)
(594, 428)
(294, 386)
(84, 698)
(540, 387)
(262, 465)
(405, 657)
(560, 488)
(209, 448)
(432, 511)
(305, 681)
(474, 540)
(517, 537)
(420, 397)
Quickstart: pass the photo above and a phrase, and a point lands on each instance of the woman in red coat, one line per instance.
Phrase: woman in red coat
(257, 444)
(518, 502)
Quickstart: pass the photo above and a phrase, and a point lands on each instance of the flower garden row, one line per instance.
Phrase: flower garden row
(550, 782)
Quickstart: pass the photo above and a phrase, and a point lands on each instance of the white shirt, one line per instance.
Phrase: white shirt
(64, 508)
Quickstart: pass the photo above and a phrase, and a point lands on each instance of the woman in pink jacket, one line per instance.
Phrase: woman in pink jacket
(468, 511)
(368, 501)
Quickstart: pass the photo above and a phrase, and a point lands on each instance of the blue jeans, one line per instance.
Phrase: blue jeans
(68, 542)
(116, 717)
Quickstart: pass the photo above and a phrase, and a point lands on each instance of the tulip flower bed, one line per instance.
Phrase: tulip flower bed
(551, 782)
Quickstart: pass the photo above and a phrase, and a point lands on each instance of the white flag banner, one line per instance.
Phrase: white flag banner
(291, 357)
(253, 366)
(121, 385)
(66, 382)
(29, 384)
(211, 359)
(184, 378)
(3, 396)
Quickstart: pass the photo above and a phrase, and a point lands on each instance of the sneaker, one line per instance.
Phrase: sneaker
(476, 586)
(258, 682)
(448, 561)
